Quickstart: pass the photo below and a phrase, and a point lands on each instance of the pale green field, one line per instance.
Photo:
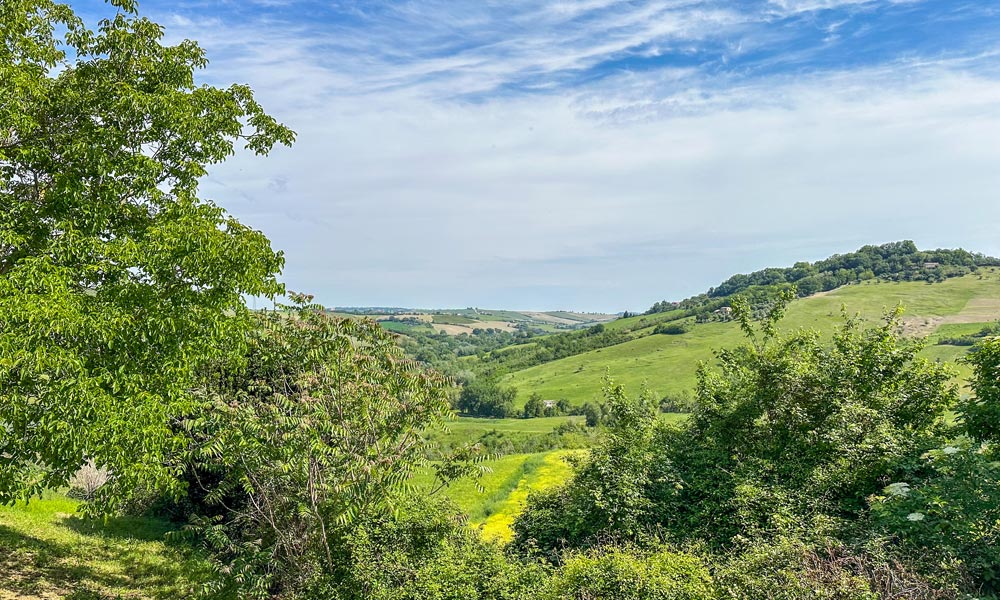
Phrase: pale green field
(668, 362)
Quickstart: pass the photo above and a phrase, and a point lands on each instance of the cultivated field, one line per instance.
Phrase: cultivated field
(498, 496)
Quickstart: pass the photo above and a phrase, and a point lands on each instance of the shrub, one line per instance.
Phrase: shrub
(952, 514)
(485, 398)
(85, 483)
(789, 570)
(623, 574)
(670, 329)
(420, 551)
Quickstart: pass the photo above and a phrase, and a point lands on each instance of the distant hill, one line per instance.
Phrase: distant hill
(950, 311)
(665, 344)
(895, 261)
(456, 321)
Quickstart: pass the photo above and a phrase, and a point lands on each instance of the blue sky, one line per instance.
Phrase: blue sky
(600, 155)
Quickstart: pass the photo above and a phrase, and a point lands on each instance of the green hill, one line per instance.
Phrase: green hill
(668, 362)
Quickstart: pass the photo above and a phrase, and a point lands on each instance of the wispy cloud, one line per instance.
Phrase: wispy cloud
(602, 154)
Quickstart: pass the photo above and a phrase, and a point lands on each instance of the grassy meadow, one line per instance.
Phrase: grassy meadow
(494, 500)
(466, 429)
(49, 552)
(668, 363)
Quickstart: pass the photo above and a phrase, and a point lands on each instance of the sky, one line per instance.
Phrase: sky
(599, 155)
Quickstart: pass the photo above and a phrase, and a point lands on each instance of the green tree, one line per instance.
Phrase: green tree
(116, 280)
(486, 398)
(980, 414)
(535, 406)
(592, 413)
(608, 491)
(793, 433)
(314, 430)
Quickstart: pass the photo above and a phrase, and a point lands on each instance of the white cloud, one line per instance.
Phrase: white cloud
(643, 186)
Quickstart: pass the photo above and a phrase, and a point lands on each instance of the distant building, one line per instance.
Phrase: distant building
(931, 265)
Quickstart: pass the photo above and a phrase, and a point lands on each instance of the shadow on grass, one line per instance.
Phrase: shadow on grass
(105, 560)
(119, 528)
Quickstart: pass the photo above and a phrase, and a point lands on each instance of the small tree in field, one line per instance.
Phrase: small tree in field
(116, 280)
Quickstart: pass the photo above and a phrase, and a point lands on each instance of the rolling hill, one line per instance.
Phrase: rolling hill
(668, 363)
(470, 320)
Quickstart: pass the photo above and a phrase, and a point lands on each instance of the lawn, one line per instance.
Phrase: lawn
(46, 551)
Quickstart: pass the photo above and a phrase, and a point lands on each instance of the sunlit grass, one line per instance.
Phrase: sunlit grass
(552, 470)
(46, 551)
(669, 363)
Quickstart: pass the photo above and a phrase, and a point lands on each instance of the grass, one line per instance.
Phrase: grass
(494, 500)
(668, 363)
(407, 328)
(466, 429)
(547, 471)
(453, 320)
(47, 552)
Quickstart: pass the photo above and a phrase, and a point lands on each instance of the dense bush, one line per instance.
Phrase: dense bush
(313, 430)
(420, 551)
(789, 569)
(787, 434)
(951, 513)
(980, 414)
(608, 492)
(624, 574)
(487, 398)
(670, 329)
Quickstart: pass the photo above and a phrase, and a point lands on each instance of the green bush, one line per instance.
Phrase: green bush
(486, 398)
(789, 570)
(952, 515)
(421, 551)
(622, 574)
(670, 329)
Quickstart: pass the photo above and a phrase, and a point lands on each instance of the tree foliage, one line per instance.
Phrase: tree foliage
(116, 279)
(319, 425)
(895, 261)
(788, 433)
(487, 398)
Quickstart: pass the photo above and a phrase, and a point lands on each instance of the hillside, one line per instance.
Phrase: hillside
(473, 321)
(668, 363)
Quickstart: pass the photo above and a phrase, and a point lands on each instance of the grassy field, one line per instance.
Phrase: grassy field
(545, 472)
(668, 363)
(494, 500)
(47, 552)
(465, 320)
(466, 429)
(453, 320)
